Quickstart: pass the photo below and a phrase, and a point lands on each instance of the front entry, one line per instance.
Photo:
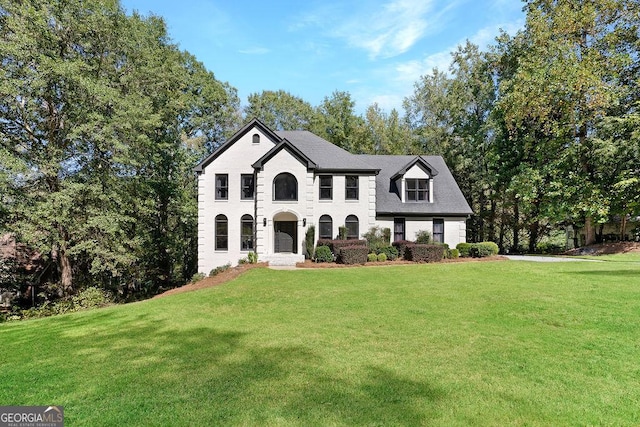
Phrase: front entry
(286, 237)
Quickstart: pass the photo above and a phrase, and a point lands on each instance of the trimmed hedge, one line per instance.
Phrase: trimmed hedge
(382, 257)
(353, 254)
(323, 254)
(401, 246)
(335, 244)
(484, 249)
(454, 253)
(424, 253)
(464, 249)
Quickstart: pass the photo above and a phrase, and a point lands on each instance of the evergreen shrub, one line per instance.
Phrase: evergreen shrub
(424, 253)
(353, 254)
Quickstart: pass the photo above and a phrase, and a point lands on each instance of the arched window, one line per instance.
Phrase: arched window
(222, 233)
(246, 233)
(285, 187)
(256, 138)
(352, 227)
(326, 227)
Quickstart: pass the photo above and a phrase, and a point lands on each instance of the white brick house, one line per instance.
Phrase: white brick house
(261, 190)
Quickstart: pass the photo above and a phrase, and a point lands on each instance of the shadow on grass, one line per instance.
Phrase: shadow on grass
(617, 272)
(114, 368)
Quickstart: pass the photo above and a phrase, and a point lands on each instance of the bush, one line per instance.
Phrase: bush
(390, 252)
(464, 249)
(252, 257)
(425, 253)
(309, 237)
(551, 247)
(484, 249)
(454, 253)
(197, 277)
(342, 233)
(372, 257)
(353, 254)
(91, 297)
(323, 254)
(423, 237)
(382, 257)
(377, 238)
(401, 246)
(218, 270)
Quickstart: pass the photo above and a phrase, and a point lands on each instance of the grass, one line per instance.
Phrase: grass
(491, 343)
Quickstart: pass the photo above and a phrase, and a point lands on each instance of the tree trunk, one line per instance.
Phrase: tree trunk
(66, 274)
(516, 227)
(589, 232)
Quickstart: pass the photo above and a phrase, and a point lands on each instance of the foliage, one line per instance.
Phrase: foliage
(372, 257)
(483, 249)
(401, 246)
(280, 110)
(220, 269)
(253, 257)
(390, 251)
(87, 299)
(423, 237)
(424, 253)
(353, 254)
(382, 257)
(199, 276)
(377, 237)
(464, 249)
(323, 254)
(342, 233)
(454, 253)
(309, 238)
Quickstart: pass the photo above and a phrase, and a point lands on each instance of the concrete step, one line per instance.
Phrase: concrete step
(289, 260)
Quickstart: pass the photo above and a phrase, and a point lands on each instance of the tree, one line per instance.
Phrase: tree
(337, 121)
(280, 110)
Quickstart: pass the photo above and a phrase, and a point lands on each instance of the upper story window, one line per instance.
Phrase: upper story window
(351, 187)
(325, 227)
(247, 185)
(326, 187)
(222, 233)
(222, 186)
(353, 226)
(256, 138)
(416, 190)
(285, 187)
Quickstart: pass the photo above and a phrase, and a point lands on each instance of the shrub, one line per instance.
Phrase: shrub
(425, 253)
(243, 261)
(390, 251)
(197, 277)
(483, 249)
(372, 257)
(342, 233)
(323, 254)
(309, 237)
(218, 270)
(337, 245)
(454, 253)
(377, 238)
(464, 249)
(423, 237)
(382, 257)
(325, 242)
(551, 247)
(353, 254)
(401, 246)
(252, 257)
(91, 297)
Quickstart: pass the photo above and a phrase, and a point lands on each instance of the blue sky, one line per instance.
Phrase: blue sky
(374, 49)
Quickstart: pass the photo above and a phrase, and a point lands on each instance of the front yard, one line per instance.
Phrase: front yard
(490, 343)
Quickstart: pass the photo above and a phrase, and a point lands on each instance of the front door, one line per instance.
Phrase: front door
(286, 237)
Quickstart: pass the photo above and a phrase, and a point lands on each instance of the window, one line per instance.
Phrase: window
(256, 138)
(285, 187)
(351, 188)
(326, 227)
(222, 186)
(326, 187)
(398, 229)
(247, 187)
(438, 230)
(222, 233)
(417, 190)
(246, 233)
(352, 227)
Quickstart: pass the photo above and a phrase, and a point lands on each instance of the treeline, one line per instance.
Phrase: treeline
(102, 118)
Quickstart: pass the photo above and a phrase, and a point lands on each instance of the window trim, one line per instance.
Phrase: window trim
(274, 187)
(320, 222)
(325, 187)
(350, 220)
(246, 219)
(352, 188)
(242, 186)
(416, 190)
(220, 188)
(221, 219)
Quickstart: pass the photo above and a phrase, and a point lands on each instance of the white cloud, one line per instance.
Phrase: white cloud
(255, 51)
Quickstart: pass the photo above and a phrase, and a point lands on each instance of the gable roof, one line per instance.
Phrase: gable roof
(447, 197)
(421, 162)
(292, 149)
(253, 123)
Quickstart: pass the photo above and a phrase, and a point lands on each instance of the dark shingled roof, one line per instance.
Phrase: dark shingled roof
(327, 156)
(447, 197)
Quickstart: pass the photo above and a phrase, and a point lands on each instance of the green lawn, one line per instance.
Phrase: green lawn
(487, 343)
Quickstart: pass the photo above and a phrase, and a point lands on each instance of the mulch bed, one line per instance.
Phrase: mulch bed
(311, 264)
(606, 249)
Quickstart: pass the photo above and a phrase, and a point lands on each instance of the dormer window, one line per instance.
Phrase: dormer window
(256, 138)
(416, 190)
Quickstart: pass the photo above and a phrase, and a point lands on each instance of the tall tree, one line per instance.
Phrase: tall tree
(280, 110)
(337, 121)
